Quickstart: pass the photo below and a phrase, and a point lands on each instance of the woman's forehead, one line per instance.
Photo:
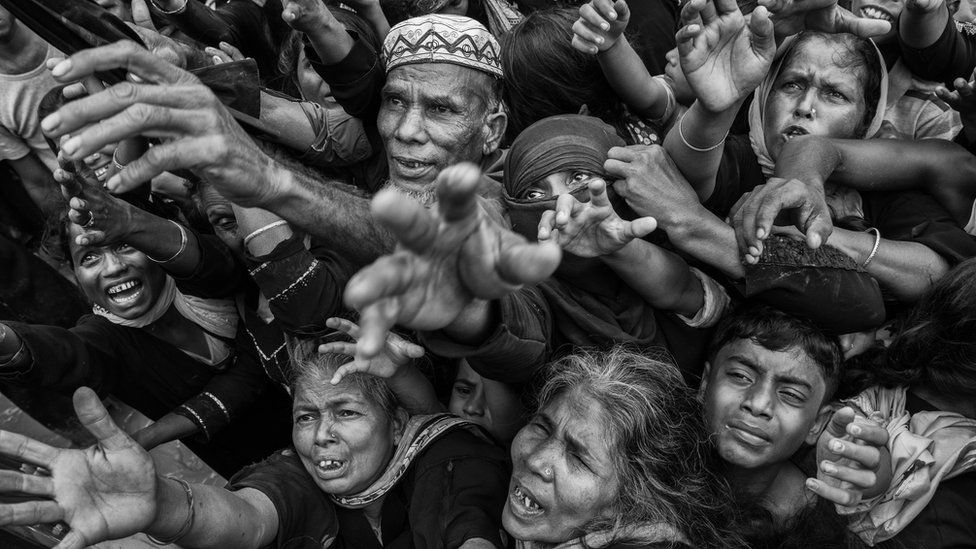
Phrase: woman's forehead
(825, 59)
(315, 388)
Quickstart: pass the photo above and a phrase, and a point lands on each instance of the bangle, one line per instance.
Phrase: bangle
(182, 249)
(681, 134)
(190, 516)
(874, 250)
(177, 11)
(266, 228)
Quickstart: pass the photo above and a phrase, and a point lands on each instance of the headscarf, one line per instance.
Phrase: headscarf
(757, 134)
(217, 317)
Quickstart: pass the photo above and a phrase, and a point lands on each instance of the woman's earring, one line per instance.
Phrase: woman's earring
(813, 112)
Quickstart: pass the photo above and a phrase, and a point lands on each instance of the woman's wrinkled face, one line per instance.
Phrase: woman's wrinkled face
(220, 214)
(563, 474)
(120, 279)
(486, 402)
(344, 440)
(558, 183)
(817, 92)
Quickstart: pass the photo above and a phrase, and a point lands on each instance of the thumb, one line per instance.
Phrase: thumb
(141, 15)
(818, 230)
(643, 226)
(94, 417)
(72, 540)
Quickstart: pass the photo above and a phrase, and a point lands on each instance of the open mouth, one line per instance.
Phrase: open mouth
(872, 12)
(523, 503)
(795, 131)
(410, 166)
(125, 292)
(330, 465)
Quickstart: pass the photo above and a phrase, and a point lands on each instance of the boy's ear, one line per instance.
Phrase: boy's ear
(704, 380)
(823, 416)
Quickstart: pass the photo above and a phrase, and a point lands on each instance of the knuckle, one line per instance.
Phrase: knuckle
(123, 90)
(141, 114)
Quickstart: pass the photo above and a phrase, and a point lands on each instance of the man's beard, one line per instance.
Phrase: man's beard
(426, 195)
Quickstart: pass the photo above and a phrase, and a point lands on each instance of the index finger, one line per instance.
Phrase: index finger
(124, 54)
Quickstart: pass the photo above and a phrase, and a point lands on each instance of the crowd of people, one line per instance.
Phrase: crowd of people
(478, 274)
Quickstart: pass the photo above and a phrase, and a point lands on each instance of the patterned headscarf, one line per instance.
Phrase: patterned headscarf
(440, 38)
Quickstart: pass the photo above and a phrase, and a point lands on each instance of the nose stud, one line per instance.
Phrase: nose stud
(547, 472)
(813, 112)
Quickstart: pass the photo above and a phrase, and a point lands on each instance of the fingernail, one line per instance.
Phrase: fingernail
(811, 483)
(828, 468)
(113, 182)
(61, 68)
(836, 445)
(760, 233)
(605, 26)
(51, 122)
(599, 39)
(71, 145)
(855, 430)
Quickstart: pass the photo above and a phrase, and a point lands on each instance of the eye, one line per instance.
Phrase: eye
(581, 177)
(534, 193)
(834, 94)
(305, 418)
(793, 397)
(462, 390)
(89, 258)
(441, 109)
(228, 224)
(539, 426)
(349, 413)
(738, 377)
(395, 101)
(792, 86)
(124, 248)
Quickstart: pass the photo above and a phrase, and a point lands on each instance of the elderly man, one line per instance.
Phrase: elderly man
(427, 121)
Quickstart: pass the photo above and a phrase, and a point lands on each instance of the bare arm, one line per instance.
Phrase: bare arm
(672, 287)
(328, 36)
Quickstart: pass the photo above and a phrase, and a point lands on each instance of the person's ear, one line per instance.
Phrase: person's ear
(400, 419)
(495, 124)
(823, 416)
(703, 386)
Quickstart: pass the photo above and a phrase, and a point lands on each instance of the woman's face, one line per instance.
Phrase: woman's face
(117, 278)
(563, 475)
(491, 404)
(557, 184)
(312, 86)
(344, 440)
(220, 214)
(813, 95)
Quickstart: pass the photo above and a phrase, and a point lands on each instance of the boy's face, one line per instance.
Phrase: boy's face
(761, 405)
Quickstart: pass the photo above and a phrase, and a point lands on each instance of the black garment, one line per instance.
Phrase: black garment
(31, 291)
(952, 56)
(949, 520)
(453, 491)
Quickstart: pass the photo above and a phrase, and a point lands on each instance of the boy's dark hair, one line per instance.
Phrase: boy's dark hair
(775, 330)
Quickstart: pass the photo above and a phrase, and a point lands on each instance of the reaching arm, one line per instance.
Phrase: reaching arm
(672, 287)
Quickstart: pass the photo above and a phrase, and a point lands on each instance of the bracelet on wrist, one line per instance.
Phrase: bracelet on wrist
(681, 134)
(874, 250)
(261, 230)
(183, 241)
(190, 516)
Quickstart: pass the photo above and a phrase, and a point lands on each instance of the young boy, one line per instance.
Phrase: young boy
(767, 389)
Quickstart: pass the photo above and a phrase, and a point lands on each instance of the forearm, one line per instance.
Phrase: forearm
(335, 212)
(695, 145)
(809, 159)
(377, 19)
(662, 278)
(628, 77)
(907, 269)
(330, 40)
(414, 391)
(703, 236)
(918, 29)
(257, 228)
(220, 518)
(295, 131)
(162, 239)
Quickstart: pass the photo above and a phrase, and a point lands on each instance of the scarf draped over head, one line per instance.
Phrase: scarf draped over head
(757, 114)
(217, 317)
(552, 145)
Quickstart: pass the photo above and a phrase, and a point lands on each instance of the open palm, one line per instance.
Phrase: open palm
(723, 58)
(104, 492)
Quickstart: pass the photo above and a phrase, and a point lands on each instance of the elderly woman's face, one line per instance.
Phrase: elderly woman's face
(558, 183)
(119, 278)
(563, 474)
(344, 440)
(814, 95)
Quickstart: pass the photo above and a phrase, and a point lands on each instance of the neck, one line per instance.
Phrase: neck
(753, 482)
(940, 402)
(22, 50)
(778, 488)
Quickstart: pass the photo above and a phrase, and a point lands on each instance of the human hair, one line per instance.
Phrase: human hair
(319, 368)
(936, 344)
(546, 76)
(775, 330)
(863, 56)
(658, 441)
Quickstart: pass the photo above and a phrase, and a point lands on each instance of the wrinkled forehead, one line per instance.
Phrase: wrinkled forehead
(438, 81)
(834, 61)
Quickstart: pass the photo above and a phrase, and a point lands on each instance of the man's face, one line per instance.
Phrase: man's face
(761, 405)
(434, 115)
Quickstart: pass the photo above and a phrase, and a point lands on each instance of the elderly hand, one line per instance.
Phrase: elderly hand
(853, 460)
(104, 219)
(104, 492)
(199, 133)
(722, 58)
(754, 214)
(397, 353)
(305, 15)
(650, 182)
(445, 260)
(591, 229)
(600, 25)
(794, 16)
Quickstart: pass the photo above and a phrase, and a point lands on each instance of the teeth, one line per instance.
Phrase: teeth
(875, 13)
(329, 464)
(525, 500)
(123, 287)
(100, 172)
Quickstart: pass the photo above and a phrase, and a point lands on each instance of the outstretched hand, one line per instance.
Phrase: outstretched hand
(600, 25)
(105, 492)
(754, 214)
(592, 228)
(853, 461)
(722, 58)
(398, 352)
(199, 133)
(447, 257)
(104, 220)
(794, 16)
(305, 15)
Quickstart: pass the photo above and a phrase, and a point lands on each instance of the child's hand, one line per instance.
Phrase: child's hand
(600, 26)
(398, 353)
(853, 461)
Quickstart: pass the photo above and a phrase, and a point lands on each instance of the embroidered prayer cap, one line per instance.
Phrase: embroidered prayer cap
(437, 38)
